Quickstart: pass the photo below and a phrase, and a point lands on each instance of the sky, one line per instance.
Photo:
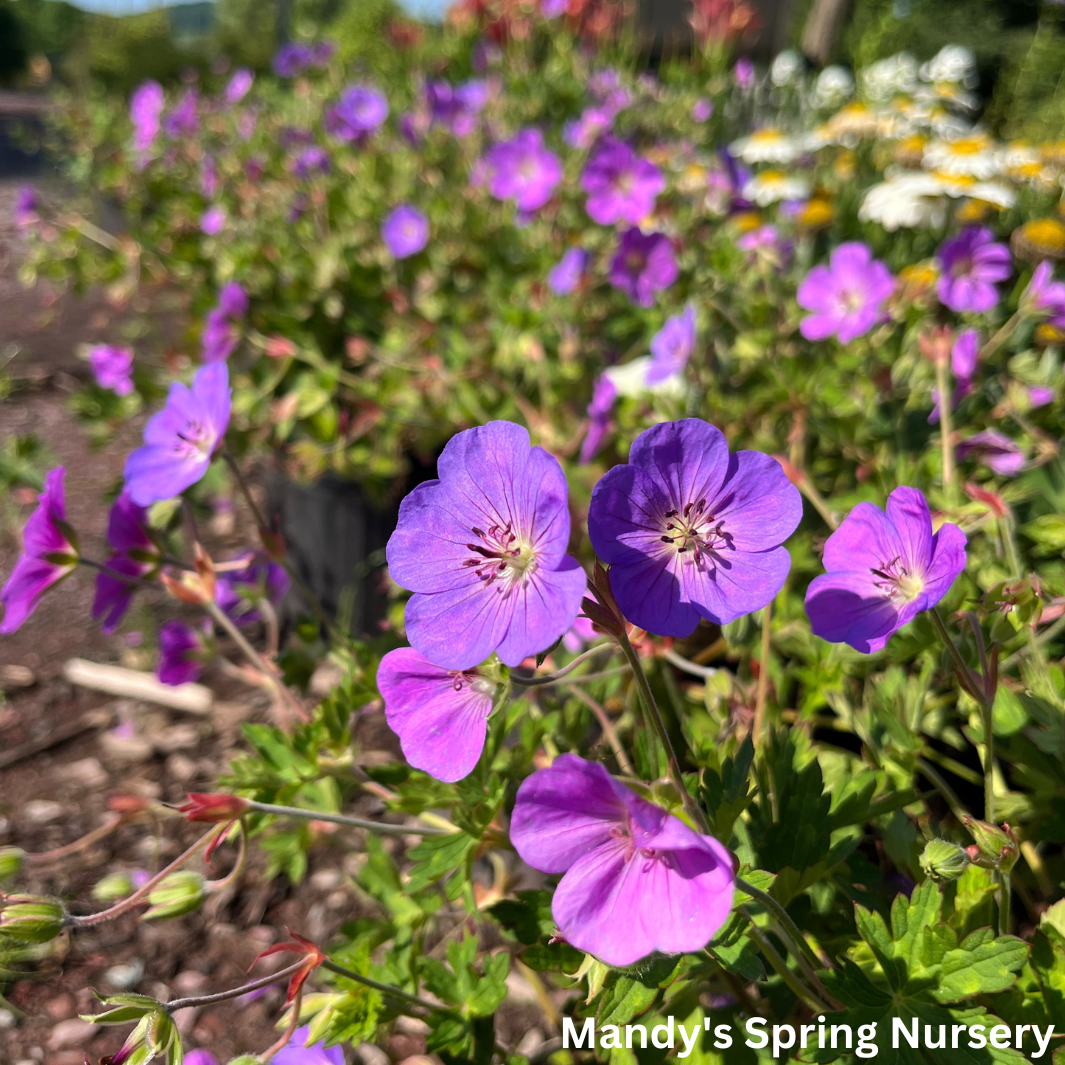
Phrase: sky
(427, 8)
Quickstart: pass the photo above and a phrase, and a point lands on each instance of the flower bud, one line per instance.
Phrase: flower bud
(112, 887)
(175, 895)
(12, 859)
(213, 808)
(998, 847)
(943, 860)
(31, 918)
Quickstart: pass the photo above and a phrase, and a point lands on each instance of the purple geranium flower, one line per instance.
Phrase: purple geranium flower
(636, 878)
(456, 109)
(182, 650)
(213, 220)
(112, 367)
(296, 1052)
(239, 86)
(26, 207)
(145, 108)
(135, 554)
(405, 231)
(49, 553)
(360, 110)
(586, 130)
(200, 1057)
(969, 265)
(523, 170)
(184, 120)
(847, 296)
(621, 185)
(995, 450)
(440, 715)
(964, 353)
(765, 242)
(604, 393)
(1039, 396)
(1044, 295)
(233, 300)
(322, 52)
(743, 72)
(238, 590)
(883, 570)
(311, 161)
(484, 550)
(643, 264)
(293, 59)
(180, 440)
(702, 109)
(566, 274)
(220, 334)
(672, 346)
(690, 531)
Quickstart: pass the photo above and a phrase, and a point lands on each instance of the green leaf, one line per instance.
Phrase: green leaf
(436, 856)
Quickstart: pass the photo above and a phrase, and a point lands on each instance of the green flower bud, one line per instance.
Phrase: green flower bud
(943, 860)
(12, 859)
(175, 895)
(31, 918)
(997, 847)
(247, 1059)
(114, 886)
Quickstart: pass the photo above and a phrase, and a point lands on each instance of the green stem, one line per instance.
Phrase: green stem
(380, 827)
(1005, 896)
(789, 930)
(552, 678)
(999, 338)
(985, 713)
(803, 993)
(946, 426)
(654, 716)
(385, 989)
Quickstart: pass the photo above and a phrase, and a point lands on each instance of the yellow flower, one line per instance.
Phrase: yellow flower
(747, 221)
(816, 213)
(1048, 335)
(1041, 238)
(972, 212)
(918, 279)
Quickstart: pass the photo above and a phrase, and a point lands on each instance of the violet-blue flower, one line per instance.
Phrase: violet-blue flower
(621, 185)
(604, 393)
(220, 333)
(25, 210)
(995, 450)
(702, 110)
(672, 346)
(970, 265)
(456, 108)
(583, 132)
(145, 109)
(360, 110)
(311, 161)
(135, 554)
(566, 274)
(49, 553)
(847, 296)
(440, 715)
(112, 367)
(635, 879)
(523, 170)
(239, 591)
(293, 59)
(483, 548)
(690, 531)
(182, 651)
(1044, 295)
(643, 265)
(405, 231)
(180, 440)
(883, 570)
(184, 119)
(297, 1052)
(200, 1057)
(213, 220)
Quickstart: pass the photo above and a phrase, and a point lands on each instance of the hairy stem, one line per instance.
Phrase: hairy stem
(381, 827)
(385, 989)
(946, 426)
(763, 673)
(803, 993)
(569, 667)
(233, 992)
(290, 1029)
(654, 716)
(606, 725)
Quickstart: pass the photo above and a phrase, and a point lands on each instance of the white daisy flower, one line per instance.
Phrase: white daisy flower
(767, 145)
(953, 63)
(976, 155)
(786, 68)
(905, 201)
(772, 186)
(960, 186)
(889, 77)
(834, 85)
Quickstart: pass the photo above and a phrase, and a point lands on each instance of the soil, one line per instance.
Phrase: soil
(51, 798)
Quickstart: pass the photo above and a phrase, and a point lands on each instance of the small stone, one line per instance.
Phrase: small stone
(326, 879)
(125, 750)
(125, 977)
(530, 1042)
(87, 772)
(71, 1033)
(519, 990)
(325, 678)
(180, 768)
(177, 738)
(14, 676)
(189, 982)
(337, 900)
(7, 1019)
(369, 1054)
(41, 811)
(60, 1007)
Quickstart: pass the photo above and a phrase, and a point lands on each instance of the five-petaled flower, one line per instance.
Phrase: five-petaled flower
(690, 531)
(621, 186)
(180, 440)
(440, 715)
(636, 878)
(483, 548)
(523, 170)
(970, 265)
(643, 265)
(405, 231)
(672, 346)
(182, 651)
(883, 570)
(360, 110)
(49, 553)
(847, 296)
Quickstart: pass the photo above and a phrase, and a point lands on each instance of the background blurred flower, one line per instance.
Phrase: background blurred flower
(298, 1053)
(213, 220)
(970, 265)
(360, 111)
(566, 274)
(643, 265)
(672, 346)
(599, 410)
(145, 108)
(112, 367)
(182, 650)
(523, 170)
(405, 231)
(995, 450)
(239, 86)
(621, 186)
(847, 296)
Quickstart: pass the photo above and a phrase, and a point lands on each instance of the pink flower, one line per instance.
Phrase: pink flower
(847, 296)
(112, 367)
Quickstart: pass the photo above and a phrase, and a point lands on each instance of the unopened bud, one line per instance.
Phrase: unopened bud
(998, 847)
(12, 860)
(175, 895)
(213, 808)
(943, 860)
(112, 887)
(31, 918)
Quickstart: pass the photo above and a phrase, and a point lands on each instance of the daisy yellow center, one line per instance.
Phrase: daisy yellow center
(968, 146)
(897, 582)
(1045, 232)
(766, 136)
